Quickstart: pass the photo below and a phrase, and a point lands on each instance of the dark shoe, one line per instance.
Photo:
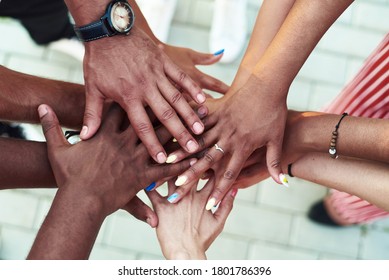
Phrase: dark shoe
(11, 131)
(318, 214)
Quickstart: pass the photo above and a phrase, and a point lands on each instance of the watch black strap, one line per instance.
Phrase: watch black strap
(93, 31)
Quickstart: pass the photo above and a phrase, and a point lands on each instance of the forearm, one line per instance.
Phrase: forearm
(270, 18)
(302, 29)
(365, 179)
(24, 165)
(358, 137)
(21, 94)
(70, 228)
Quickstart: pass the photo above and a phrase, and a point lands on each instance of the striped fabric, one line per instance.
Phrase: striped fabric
(367, 95)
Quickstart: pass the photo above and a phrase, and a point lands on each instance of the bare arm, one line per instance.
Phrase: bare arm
(21, 94)
(365, 179)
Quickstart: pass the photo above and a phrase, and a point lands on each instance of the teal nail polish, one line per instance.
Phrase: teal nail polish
(219, 52)
(173, 197)
(151, 186)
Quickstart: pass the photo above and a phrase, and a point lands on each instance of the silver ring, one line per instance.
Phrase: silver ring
(219, 149)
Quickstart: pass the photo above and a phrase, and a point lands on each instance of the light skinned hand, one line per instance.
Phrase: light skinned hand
(187, 59)
(186, 229)
(136, 75)
(110, 168)
(239, 123)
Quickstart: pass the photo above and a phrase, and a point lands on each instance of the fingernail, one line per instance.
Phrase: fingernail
(173, 197)
(202, 111)
(42, 111)
(174, 140)
(234, 192)
(148, 220)
(151, 186)
(181, 180)
(161, 157)
(219, 52)
(198, 128)
(191, 146)
(201, 97)
(171, 159)
(283, 180)
(84, 131)
(210, 204)
(192, 161)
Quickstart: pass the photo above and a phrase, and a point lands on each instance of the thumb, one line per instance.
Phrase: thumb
(206, 58)
(92, 115)
(273, 160)
(225, 206)
(51, 128)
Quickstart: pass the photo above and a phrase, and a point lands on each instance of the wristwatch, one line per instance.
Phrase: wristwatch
(117, 19)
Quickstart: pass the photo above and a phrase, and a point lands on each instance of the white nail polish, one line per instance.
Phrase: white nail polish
(181, 180)
(210, 204)
(283, 180)
(171, 159)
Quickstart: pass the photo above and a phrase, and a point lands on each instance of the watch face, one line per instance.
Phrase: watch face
(122, 17)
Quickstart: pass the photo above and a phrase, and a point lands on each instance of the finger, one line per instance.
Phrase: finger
(114, 119)
(145, 131)
(251, 175)
(92, 115)
(273, 159)
(155, 198)
(184, 81)
(211, 83)
(51, 128)
(166, 114)
(204, 141)
(158, 172)
(199, 58)
(225, 206)
(224, 184)
(196, 171)
(141, 211)
(181, 106)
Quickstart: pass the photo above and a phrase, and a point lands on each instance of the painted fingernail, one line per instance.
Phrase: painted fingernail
(151, 187)
(234, 192)
(84, 131)
(171, 159)
(198, 128)
(191, 146)
(161, 157)
(181, 180)
(283, 180)
(174, 140)
(201, 97)
(42, 111)
(210, 204)
(192, 161)
(219, 52)
(173, 198)
(202, 111)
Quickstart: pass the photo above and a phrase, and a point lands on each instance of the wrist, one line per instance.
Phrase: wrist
(187, 255)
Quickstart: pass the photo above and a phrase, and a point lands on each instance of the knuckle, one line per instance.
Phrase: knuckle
(275, 163)
(209, 158)
(168, 114)
(176, 97)
(194, 171)
(183, 135)
(182, 76)
(229, 174)
(49, 126)
(143, 128)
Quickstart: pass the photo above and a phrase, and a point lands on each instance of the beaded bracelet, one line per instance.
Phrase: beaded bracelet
(332, 150)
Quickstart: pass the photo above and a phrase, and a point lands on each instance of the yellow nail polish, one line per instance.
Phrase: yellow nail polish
(283, 180)
(171, 159)
(181, 180)
(210, 204)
